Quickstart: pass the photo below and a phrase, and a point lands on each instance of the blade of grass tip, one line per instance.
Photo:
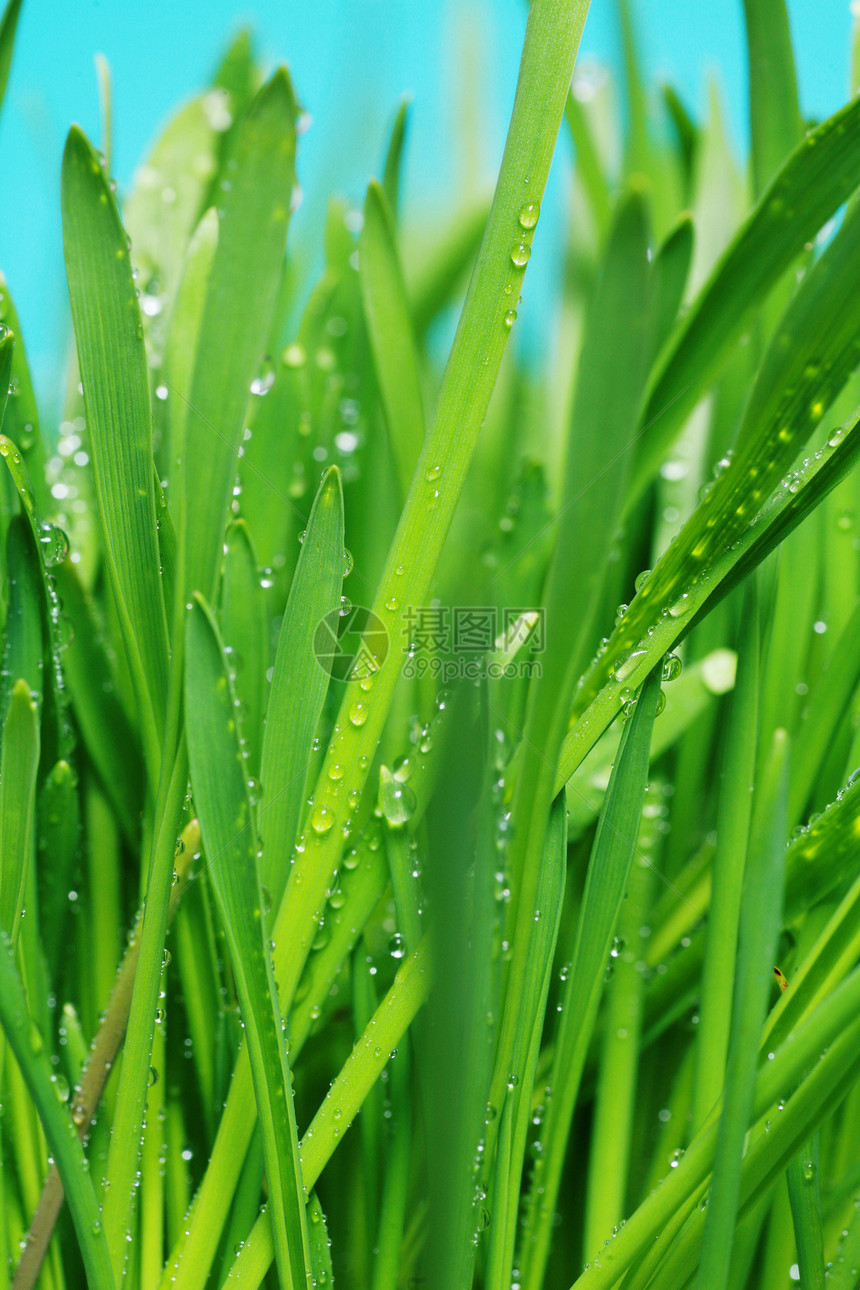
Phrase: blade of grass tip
(299, 682)
(518, 1103)
(105, 108)
(389, 327)
(102, 1055)
(245, 629)
(58, 842)
(19, 762)
(605, 884)
(369, 1057)
(394, 157)
(686, 133)
(115, 380)
(758, 929)
(8, 26)
(63, 1141)
(589, 165)
(224, 807)
(453, 1039)
(776, 125)
(598, 462)
(734, 812)
(815, 180)
(321, 1266)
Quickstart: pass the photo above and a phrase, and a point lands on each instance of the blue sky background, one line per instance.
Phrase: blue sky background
(351, 61)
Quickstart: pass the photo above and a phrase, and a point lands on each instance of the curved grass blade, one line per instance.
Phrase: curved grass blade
(115, 381)
(59, 1130)
(389, 326)
(394, 158)
(605, 884)
(817, 178)
(19, 761)
(668, 279)
(234, 328)
(244, 628)
(223, 804)
(24, 646)
(21, 418)
(299, 683)
(8, 27)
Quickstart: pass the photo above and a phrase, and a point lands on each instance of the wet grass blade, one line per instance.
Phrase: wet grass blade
(299, 682)
(605, 884)
(224, 808)
(115, 380)
(60, 1132)
(19, 761)
(389, 326)
(244, 627)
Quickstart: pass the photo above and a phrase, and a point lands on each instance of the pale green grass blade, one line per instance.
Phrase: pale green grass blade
(775, 121)
(221, 796)
(115, 379)
(21, 418)
(758, 929)
(391, 171)
(445, 269)
(59, 1130)
(815, 180)
(343, 1101)
(389, 326)
(299, 683)
(24, 645)
(733, 824)
(243, 282)
(19, 761)
(605, 884)
(244, 627)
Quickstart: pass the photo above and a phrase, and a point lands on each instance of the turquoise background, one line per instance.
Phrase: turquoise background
(351, 61)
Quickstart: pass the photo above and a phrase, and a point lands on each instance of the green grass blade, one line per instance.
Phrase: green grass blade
(243, 282)
(59, 1130)
(606, 881)
(389, 326)
(115, 380)
(299, 683)
(8, 26)
(775, 120)
(24, 646)
(669, 277)
(758, 929)
(244, 627)
(21, 418)
(19, 761)
(816, 179)
(221, 796)
(804, 1193)
(394, 158)
(733, 823)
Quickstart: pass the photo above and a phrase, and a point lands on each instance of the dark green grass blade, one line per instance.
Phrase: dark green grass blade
(775, 120)
(116, 394)
(389, 326)
(758, 929)
(299, 683)
(221, 796)
(243, 283)
(244, 627)
(606, 881)
(24, 646)
(21, 419)
(816, 179)
(60, 1132)
(19, 761)
(804, 1193)
(8, 26)
(58, 841)
(668, 279)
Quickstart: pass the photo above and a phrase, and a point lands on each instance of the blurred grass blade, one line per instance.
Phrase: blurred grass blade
(65, 1148)
(605, 884)
(243, 283)
(776, 125)
(816, 179)
(115, 380)
(389, 326)
(8, 26)
(668, 278)
(299, 683)
(224, 809)
(391, 171)
(758, 929)
(19, 761)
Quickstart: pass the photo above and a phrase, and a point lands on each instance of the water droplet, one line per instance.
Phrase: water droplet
(347, 562)
(321, 820)
(510, 317)
(641, 579)
(672, 667)
(358, 713)
(520, 254)
(396, 799)
(529, 214)
(54, 544)
(433, 473)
